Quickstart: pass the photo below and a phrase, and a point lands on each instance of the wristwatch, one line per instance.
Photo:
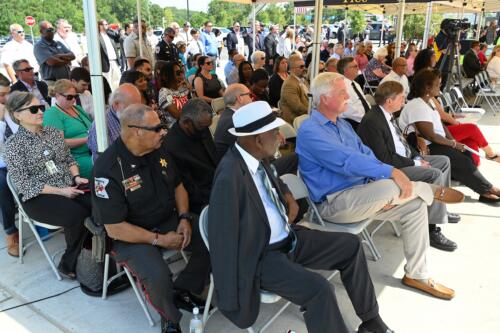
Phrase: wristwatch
(186, 216)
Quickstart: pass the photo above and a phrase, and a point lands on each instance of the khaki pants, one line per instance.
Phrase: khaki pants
(367, 201)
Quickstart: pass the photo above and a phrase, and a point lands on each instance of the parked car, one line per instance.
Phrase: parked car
(373, 31)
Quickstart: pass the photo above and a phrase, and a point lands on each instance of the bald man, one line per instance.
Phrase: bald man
(53, 57)
(16, 49)
(398, 74)
(125, 95)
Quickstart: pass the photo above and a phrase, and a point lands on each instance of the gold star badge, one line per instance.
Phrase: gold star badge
(163, 162)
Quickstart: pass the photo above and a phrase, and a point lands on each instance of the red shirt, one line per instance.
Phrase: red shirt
(482, 58)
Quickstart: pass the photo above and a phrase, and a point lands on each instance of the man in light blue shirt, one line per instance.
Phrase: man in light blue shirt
(349, 184)
(209, 40)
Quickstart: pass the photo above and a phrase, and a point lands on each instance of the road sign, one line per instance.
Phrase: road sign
(29, 20)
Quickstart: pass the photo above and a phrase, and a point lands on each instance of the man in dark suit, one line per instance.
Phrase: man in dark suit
(109, 54)
(378, 131)
(26, 81)
(190, 144)
(234, 39)
(471, 63)
(253, 246)
(236, 96)
(270, 47)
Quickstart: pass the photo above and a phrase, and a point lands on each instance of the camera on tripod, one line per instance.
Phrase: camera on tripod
(452, 26)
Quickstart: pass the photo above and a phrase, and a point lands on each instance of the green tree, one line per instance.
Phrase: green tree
(357, 21)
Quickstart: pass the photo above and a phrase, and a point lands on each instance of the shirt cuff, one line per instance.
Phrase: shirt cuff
(386, 171)
(417, 162)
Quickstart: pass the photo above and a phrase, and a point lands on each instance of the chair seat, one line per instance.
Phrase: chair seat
(268, 297)
(352, 228)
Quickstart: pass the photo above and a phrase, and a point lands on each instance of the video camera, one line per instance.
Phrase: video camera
(452, 26)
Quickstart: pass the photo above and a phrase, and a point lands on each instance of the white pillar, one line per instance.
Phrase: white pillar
(253, 22)
(382, 28)
(139, 24)
(94, 51)
(318, 15)
(294, 45)
(428, 17)
(480, 18)
(399, 33)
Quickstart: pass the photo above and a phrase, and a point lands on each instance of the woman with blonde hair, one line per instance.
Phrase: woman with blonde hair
(493, 64)
(72, 122)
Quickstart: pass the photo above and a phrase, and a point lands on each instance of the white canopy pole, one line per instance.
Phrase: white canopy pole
(253, 22)
(428, 17)
(318, 17)
(139, 26)
(399, 34)
(89, 12)
(382, 28)
(480, 18)
(294, 45)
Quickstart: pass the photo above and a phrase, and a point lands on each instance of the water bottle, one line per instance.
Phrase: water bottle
(196, 324)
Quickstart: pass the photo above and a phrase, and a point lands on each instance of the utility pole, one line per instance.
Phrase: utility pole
(187, 3)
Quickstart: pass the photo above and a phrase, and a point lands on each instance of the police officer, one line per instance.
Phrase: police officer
(139, 198)
(166, 49)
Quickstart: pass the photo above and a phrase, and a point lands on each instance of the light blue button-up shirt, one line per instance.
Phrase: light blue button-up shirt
(210, 42)
(332, 157)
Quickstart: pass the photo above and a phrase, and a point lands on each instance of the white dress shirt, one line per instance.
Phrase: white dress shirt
(355, 109)
(275, 219)
(195, 47)
(71, 42)
(392, 76)
(13, 51)
(110, 50)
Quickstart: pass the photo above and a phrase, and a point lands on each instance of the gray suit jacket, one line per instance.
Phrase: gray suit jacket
(238, 234)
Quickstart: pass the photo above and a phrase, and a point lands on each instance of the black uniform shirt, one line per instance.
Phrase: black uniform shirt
(138, 190)
(167, 52)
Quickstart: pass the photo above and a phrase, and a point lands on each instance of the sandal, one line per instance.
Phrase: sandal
(494, 158)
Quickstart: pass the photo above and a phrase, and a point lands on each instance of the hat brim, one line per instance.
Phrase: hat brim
(276, 123)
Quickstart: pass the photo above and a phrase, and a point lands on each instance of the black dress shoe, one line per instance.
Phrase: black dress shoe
(453, 218)
(487, 200)
(168, 326)
(439, 241)
(187, 301)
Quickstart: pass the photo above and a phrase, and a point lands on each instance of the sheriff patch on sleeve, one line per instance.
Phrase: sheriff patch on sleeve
(100, 187)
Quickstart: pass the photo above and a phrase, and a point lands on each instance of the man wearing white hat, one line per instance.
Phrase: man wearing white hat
(253, 245)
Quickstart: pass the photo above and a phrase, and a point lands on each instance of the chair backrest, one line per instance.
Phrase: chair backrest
(459, 97)
(218, 105)
(443, 102)
(203, 225)
(299, 120)
(288, 131)
(295, 185)
(213, 126)
(369, 98)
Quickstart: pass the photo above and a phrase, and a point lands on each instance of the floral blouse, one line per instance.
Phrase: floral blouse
(36, 160)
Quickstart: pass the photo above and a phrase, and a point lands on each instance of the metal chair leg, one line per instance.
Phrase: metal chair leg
(105, 279)
(276, 315)
(209, 300)
(369, 241)
(44, 250)
(21, 243)
(139, 297)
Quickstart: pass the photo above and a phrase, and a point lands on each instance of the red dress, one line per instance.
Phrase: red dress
(470, 135)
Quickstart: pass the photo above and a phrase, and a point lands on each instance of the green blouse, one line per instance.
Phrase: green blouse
(73, 128)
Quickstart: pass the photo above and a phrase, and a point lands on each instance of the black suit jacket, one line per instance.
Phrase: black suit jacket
(196, 160)
(231, 41)
(42, 87)
(104, 53)
(223, 139)
(376, 134)
(270, 45)
(238, 235)
(471, 64)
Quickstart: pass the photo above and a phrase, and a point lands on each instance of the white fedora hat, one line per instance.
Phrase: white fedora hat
(254, 118)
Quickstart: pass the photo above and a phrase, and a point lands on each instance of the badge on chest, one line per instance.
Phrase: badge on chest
(133, 183)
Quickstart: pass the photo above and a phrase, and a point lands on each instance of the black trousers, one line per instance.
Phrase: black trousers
(286, 275)
(146, 263)
(463, 168)
(61, 211)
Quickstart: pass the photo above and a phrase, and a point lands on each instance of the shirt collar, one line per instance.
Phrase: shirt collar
(251, 162)
(27, 85)
(128, 156)
(315, 114)
(387, 115)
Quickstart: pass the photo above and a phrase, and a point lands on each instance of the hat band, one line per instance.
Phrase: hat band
(255, 125)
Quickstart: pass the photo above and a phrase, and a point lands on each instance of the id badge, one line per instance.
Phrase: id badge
(51, 167)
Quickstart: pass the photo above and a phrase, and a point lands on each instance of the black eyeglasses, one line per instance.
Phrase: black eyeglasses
(27, 69)
(33, 109)
(70, 97)
(156, 129)
(20, 31)
(48, 30)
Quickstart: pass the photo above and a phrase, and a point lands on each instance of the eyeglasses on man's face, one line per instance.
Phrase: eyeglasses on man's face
(157, 129)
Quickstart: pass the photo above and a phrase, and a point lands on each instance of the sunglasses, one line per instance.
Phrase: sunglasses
(209, 63)
(70, 97)
(33, 109)
(26, 70)
(20, 31)
(263, 58)
(48, 30)
(302, 66)
(157, 129)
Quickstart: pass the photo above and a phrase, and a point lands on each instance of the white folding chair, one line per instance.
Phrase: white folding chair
(265, 296)
(299, 120)
(288, 131)
(460, 105)
(167, 255)
(299, 191)
(486, 92)
(24, 218)
(367, 85)
(218, 105)
(371, 101)
(213, 126)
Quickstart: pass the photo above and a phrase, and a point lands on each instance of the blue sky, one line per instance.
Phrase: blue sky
(201, 5)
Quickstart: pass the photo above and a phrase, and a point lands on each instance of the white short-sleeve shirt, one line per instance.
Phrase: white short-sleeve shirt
(418, 110)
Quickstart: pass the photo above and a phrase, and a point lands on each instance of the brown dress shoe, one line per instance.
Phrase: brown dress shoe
(431, 287)
(13, 245)
(448, 195)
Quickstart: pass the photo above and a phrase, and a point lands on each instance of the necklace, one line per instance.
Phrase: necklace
(76, 116)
